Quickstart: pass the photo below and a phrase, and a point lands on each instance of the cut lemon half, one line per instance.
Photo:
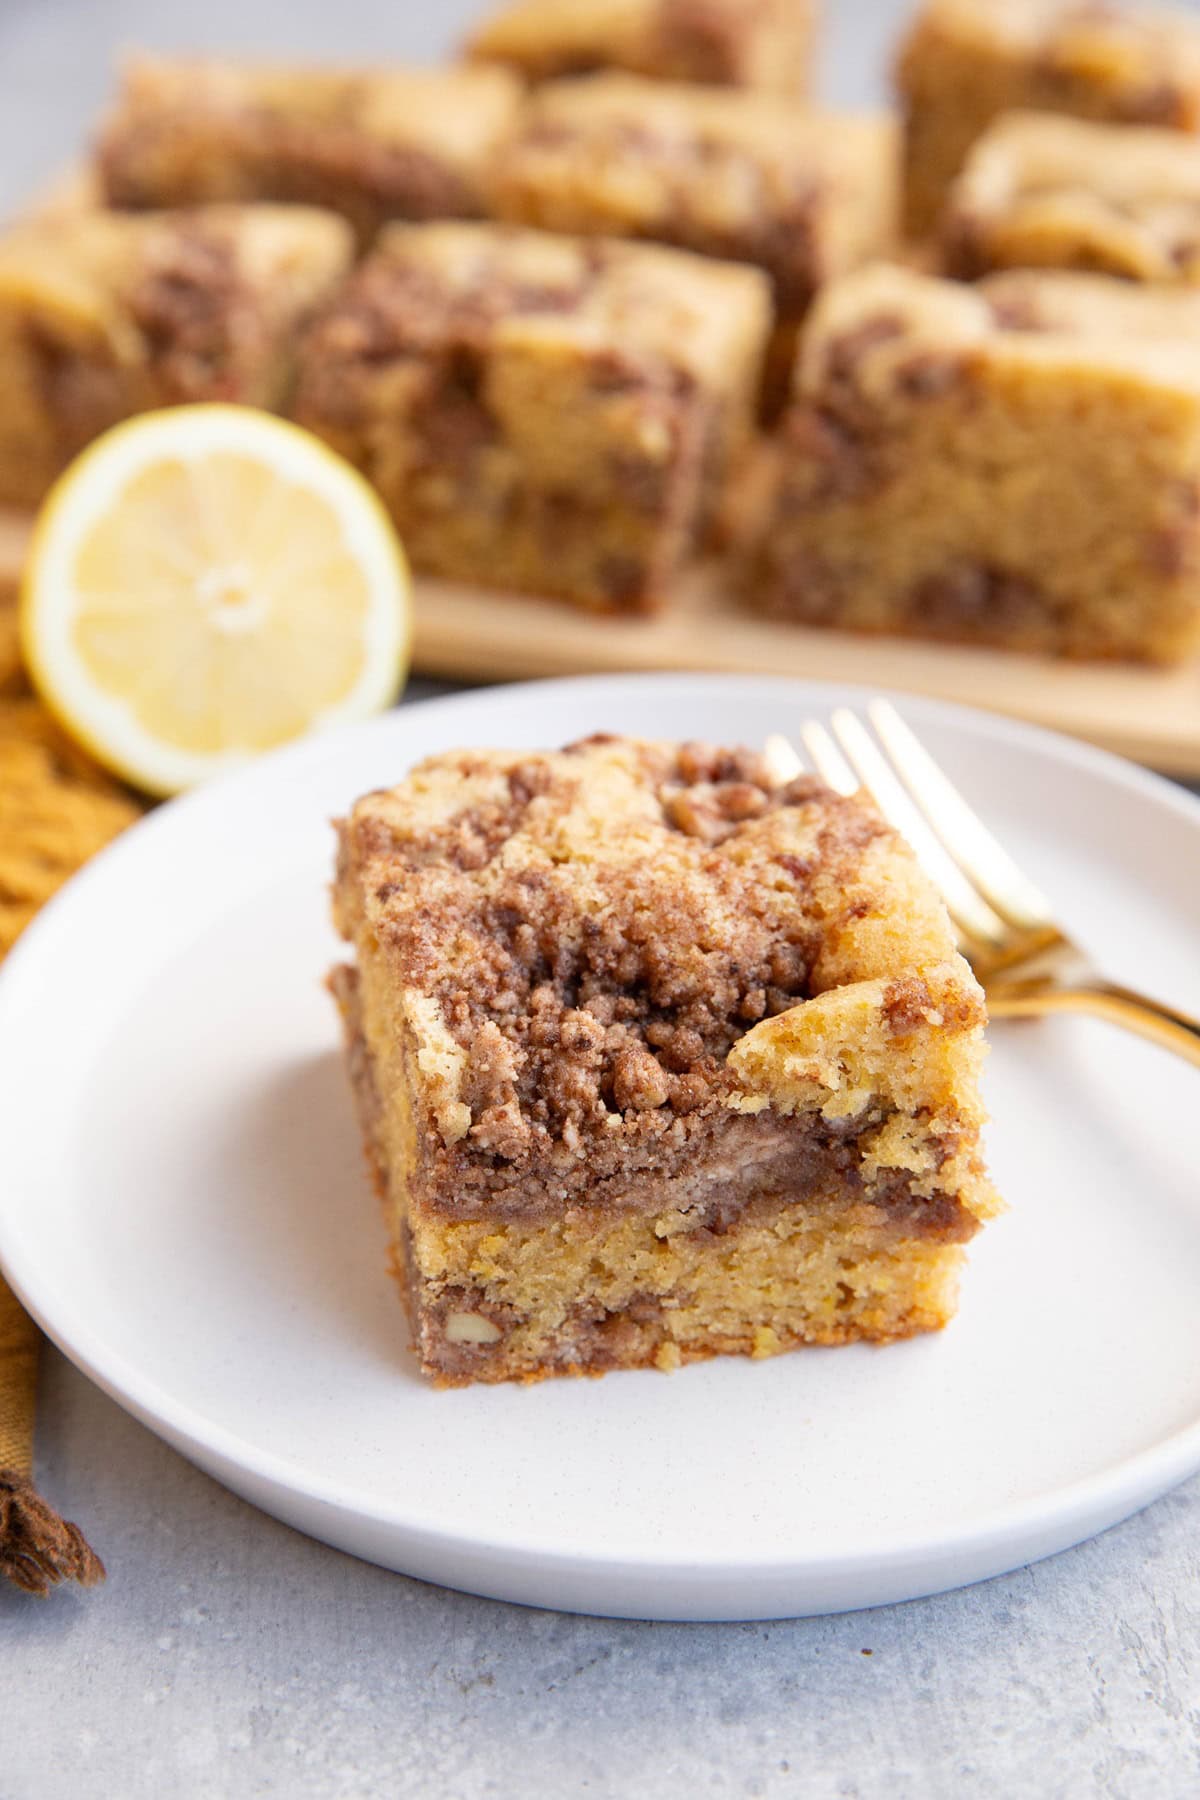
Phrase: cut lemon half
(207, 583)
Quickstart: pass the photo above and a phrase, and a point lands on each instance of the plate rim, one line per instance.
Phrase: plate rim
(1114, 1492)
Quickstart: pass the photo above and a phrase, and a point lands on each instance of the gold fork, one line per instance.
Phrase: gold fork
(1006, 927)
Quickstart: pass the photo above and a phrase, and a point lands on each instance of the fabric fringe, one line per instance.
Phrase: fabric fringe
(38, 1549)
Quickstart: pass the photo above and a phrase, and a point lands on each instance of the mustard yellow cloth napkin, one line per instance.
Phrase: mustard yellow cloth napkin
(56, 809)
(37, 1547)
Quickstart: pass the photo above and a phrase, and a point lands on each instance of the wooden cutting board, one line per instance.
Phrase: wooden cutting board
(1151, 715)
(470, 634)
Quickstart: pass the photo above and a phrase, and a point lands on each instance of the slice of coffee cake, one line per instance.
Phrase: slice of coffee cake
(656, 1060)
(546, 414)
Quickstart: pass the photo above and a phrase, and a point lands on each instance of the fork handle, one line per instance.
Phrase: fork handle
(1163, 1025)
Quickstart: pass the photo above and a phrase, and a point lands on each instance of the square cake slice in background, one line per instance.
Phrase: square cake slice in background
(374, 144)
(655, 1059)
(965, 61)
(103, 315)
(546, 414)
(1015, 464)
(732, 43)
(1042, 191)
(804, 195)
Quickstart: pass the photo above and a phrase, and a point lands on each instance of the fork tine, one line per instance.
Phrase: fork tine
(783, 760)
(828, 760)
(988, 864)
(971, 913)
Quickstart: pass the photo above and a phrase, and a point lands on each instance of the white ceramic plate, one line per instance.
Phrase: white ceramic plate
(184, 1210)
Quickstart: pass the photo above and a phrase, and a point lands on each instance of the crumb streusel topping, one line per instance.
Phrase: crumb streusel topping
(591, 932)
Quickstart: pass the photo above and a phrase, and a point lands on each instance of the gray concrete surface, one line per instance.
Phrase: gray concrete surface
(228, 1657)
